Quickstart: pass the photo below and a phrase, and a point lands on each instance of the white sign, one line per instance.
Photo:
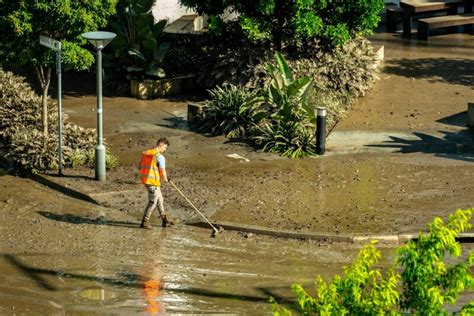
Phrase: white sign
(49, 42)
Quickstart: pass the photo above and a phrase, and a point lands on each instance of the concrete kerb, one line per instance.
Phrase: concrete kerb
(327, 237)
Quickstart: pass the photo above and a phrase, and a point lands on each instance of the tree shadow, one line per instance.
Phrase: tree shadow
(133, 280)
(74, 219)
(453, 145)
(452, 71)
(176, 122)
(458, 119)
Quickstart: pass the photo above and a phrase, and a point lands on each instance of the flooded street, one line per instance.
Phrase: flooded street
(61, 255)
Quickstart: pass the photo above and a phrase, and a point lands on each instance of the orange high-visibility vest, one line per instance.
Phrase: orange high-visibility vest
(149, 172)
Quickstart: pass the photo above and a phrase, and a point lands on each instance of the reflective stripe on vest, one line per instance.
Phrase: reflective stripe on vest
(149, 173)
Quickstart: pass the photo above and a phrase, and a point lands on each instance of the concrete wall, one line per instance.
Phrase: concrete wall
(169, 10)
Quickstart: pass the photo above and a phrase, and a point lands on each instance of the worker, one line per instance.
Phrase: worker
(152, 173)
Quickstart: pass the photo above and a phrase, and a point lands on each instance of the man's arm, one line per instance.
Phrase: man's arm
(163, 174)
(161, 162)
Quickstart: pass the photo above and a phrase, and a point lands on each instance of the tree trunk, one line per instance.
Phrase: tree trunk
(44, 80)
(278, 27)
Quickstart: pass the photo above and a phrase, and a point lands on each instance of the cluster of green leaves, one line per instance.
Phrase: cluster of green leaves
(139, 48)
(22, 22)
(428, 282)
(227, 113)
(280, 121)
(294, 22)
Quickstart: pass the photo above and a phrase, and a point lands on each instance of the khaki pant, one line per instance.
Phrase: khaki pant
(155, 198)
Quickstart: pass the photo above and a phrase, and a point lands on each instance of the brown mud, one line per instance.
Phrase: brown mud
(62, 255)
(401, 156)
(365, 192)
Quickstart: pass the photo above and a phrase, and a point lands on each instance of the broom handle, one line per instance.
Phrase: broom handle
(195, 208)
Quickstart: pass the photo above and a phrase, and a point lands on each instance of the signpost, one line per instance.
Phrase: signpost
(56, 45)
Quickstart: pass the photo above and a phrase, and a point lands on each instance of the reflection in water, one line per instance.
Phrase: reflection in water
(97, 293)
(151, 281)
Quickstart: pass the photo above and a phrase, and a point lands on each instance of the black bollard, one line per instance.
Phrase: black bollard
(321, 131)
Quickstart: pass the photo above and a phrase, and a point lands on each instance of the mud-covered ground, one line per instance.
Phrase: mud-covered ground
(372, 191)
(401, 156)
(59, 255)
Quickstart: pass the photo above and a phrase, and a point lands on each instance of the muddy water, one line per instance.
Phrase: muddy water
(60, 255)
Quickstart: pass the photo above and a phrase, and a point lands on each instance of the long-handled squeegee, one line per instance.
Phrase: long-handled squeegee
(215, 230)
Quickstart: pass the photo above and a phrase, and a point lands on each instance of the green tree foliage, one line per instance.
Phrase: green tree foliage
(23, 21)
(427, 281)
(296, 22)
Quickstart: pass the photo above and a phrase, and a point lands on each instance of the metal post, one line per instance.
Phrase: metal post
(321, 131)
(60, 111)
(100, 148)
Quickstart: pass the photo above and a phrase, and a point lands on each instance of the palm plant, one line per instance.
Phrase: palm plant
(288, 130)
(138, 48)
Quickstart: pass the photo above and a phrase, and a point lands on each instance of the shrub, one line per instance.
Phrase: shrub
(227, 57)
(289, 139)
(225, 113)
(347, 71)
(427, 281)
(28, 151)
(23, 141)
(340, 75)
(290, 123)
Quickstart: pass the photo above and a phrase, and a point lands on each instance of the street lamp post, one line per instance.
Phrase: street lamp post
(99, 40)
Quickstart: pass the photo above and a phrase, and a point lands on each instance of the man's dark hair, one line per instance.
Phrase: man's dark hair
(162, 140)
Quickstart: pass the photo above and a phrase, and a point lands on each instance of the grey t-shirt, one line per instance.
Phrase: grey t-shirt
(161, 161)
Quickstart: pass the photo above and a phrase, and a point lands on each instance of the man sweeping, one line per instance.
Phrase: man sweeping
(152, 170)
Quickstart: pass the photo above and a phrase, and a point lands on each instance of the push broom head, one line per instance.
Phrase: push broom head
(216, 231)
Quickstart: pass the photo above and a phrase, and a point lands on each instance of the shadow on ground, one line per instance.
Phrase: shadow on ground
(452, 71)
(74, 219)
(458, 119)
(453, 145)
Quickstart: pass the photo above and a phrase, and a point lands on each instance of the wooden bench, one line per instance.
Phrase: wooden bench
(417, 7)
(425, 25)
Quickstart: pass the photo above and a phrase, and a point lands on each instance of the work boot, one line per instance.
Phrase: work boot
(145, 224)
(165, 221)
